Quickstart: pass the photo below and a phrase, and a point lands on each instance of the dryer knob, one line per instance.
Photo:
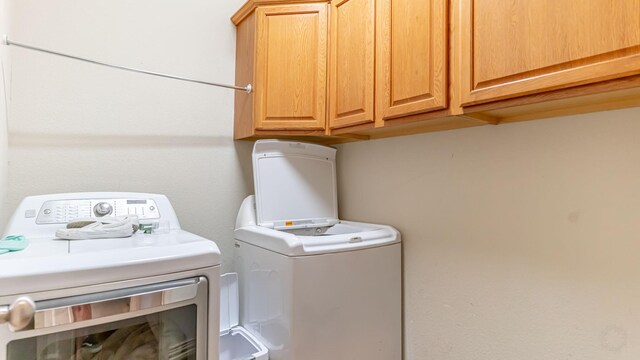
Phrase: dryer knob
(19, 314)
(102, 209)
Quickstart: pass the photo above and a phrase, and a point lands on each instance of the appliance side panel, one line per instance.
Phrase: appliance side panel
(348, 305)
(213, 314)
(265, 285)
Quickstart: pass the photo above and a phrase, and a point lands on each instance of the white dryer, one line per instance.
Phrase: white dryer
(314, 287)
(147, 295)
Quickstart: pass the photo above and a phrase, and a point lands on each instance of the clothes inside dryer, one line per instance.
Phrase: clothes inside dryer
(165, 335)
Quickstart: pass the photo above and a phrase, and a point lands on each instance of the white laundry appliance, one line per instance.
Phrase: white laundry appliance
(148, 295)
(314, 287)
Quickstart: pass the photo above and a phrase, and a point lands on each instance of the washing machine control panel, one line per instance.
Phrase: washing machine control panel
(63, 211)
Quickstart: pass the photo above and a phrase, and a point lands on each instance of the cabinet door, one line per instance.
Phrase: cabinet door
(411, 57)
(512, 48)
(351, 66)
(291, 67)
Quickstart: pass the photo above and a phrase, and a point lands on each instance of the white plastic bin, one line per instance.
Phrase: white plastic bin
(236, 343)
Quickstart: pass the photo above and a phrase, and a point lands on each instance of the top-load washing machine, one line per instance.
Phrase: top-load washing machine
(146, 296)
(314, 287)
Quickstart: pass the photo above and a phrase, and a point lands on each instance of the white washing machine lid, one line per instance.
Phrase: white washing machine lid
(295, 185)
(344, 236)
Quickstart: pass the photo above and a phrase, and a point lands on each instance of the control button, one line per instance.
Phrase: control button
(102, 209)
(152, 208)
(47, 211)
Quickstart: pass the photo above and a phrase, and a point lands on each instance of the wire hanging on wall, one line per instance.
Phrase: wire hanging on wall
(5, 41)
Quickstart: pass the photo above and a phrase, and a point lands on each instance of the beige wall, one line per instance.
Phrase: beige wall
(80, 127)
(521, 241)
(5, 67)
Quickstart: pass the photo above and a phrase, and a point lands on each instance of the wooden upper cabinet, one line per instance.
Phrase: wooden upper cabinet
(514, 48)
(373, 68)
(291, 67)
(351, 69)
(411, 57)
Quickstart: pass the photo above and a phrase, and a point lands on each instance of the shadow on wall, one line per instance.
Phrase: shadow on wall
(243, 149)
(243, 152)
(109, 141)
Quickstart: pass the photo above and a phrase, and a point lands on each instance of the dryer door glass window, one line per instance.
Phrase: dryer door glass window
(169, 334)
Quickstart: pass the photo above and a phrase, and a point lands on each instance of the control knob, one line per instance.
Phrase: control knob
(103, 208)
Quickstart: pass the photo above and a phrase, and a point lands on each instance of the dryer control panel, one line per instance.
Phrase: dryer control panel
(41, 215)
(63, 211)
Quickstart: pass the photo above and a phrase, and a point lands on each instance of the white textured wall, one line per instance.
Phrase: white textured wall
(5, 68)
(80, 127)
(521, 241)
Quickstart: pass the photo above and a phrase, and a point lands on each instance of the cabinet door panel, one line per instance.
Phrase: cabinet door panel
(513, 48)
(352, 62)
(291, 62)
(411, 74)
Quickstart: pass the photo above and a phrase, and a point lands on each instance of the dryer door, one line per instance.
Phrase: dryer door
(150, 321)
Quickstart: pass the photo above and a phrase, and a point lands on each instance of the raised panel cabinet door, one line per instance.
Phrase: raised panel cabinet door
(512, 48)
(351, 67)
(411, 57)
(291, 67)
